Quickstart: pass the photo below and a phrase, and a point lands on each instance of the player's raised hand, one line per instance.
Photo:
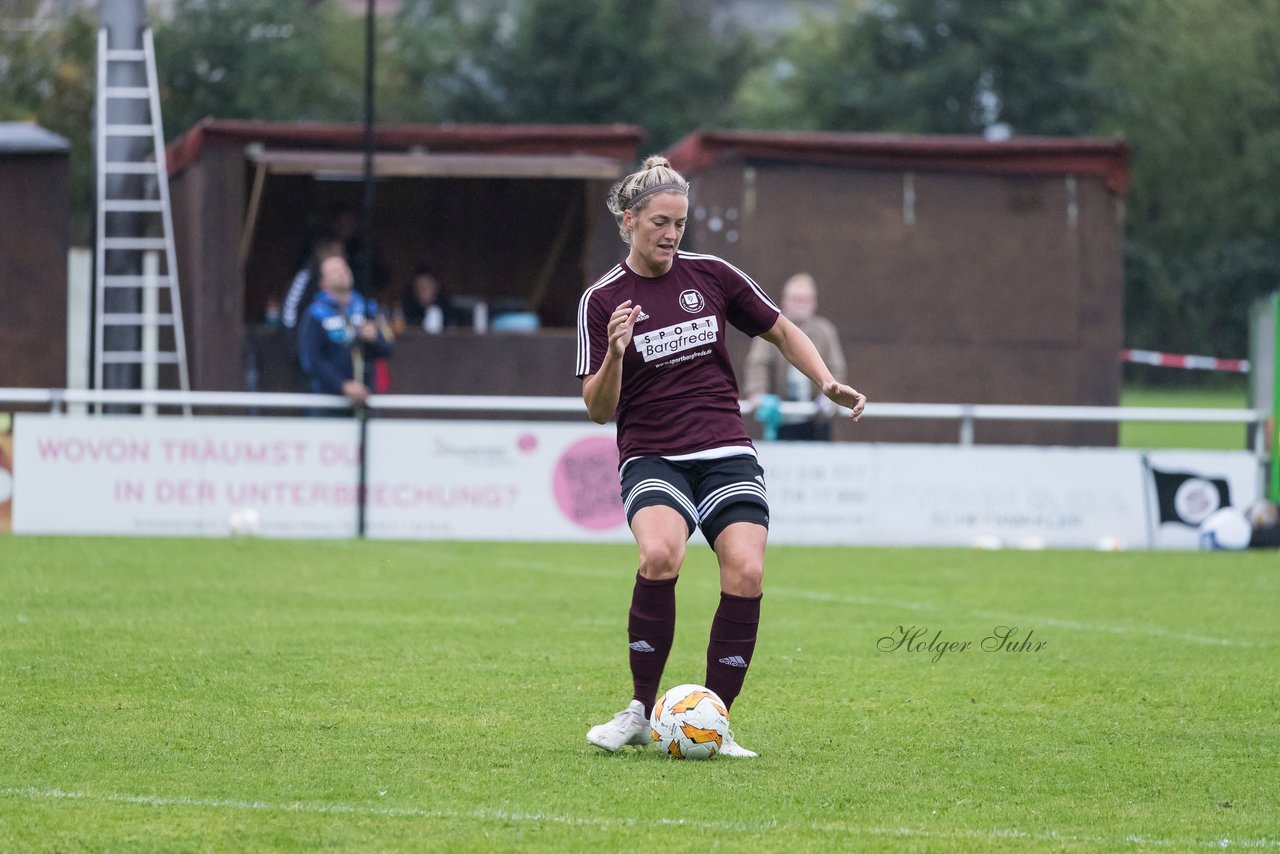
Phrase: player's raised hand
(846, 396)
(621, 325)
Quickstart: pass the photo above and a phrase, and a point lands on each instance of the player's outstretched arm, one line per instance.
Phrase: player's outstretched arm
(797, 349)
(601, 390)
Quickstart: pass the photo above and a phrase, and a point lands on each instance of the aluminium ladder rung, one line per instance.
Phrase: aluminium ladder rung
(134, 205)
(135, 282)
(135, 243)
(123, 168)
(133, 357)
(123, 319)
(146, 162)
(130, 92)
(129, 130)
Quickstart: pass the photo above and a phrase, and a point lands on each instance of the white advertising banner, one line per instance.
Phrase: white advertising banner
(530, 481)
(184, 476)
(952, 495)
(494, 481)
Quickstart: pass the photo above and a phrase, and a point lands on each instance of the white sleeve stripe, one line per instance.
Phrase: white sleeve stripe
(292, 300)
(758, 290)
(584, 334)
(582, 303)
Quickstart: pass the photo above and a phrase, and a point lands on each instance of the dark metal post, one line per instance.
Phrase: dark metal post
(367, 236)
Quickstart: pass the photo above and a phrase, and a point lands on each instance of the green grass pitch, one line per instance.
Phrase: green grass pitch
(1158, 434)
(185, 695)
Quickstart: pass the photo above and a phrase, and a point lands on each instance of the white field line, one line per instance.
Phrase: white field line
(314, 808)
(1027, 620)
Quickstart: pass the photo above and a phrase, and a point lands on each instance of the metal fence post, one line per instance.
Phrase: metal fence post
(966, 424)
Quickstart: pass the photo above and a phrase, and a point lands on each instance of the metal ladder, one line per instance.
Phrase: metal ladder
(138, 183)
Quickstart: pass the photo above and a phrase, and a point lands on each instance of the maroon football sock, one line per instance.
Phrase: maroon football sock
(733, 640)
(651, 628)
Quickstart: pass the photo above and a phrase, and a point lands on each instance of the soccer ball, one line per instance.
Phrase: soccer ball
(245, 522)
(1225, 529)
(690, 722)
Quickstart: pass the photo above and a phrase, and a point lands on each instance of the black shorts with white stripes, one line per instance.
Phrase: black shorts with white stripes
(707, 493)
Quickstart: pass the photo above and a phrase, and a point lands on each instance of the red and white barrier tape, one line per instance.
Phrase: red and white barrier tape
(1176, 360)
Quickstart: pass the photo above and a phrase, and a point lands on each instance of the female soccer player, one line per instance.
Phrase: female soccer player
(651, 353)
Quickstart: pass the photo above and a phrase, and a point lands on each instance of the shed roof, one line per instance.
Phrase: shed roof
(1105, 157)
(30, 138)
(617, 142)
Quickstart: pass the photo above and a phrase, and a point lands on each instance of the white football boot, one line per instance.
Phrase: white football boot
(733, 750)
(629, 726)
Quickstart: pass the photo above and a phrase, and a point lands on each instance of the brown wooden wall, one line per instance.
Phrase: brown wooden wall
(982, 289)
(453, 362)
(208, 206)
(34, 235)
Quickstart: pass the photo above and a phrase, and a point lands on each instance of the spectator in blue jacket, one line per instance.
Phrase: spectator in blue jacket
(338, 339)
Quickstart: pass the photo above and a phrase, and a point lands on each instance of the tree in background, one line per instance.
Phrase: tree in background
(1201, 107)
(244, 59)
(654, 63)
(936, 66)
(433, 67)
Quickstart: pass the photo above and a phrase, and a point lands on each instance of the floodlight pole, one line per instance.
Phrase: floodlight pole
(366, 258)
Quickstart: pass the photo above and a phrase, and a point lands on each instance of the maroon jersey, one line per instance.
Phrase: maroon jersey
(679, 393)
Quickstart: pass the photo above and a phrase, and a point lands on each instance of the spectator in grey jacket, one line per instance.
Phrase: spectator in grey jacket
(768, 372)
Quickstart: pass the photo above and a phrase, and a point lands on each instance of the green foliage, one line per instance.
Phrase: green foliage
(653, 63)
(215, 695)
(935, 66)
(434, 64)
(242, 59)
(1201, 107)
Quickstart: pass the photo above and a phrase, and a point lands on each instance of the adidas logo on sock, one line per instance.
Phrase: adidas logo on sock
(734, 661)
(643, 646)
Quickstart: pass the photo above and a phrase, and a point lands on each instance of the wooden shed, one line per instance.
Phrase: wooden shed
(955, 269)
(35, 218)
(511, 215)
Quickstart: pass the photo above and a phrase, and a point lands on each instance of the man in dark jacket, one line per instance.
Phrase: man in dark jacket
(338, 339)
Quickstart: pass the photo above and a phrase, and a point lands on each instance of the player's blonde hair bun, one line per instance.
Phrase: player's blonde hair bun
(633, 192)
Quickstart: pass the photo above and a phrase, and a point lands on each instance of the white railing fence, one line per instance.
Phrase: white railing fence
(966, 415)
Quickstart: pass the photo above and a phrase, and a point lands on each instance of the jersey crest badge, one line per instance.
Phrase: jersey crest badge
(692, 301)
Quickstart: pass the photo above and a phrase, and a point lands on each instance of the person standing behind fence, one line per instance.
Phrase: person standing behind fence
(767, 372)
(338, 338)
(306, 282)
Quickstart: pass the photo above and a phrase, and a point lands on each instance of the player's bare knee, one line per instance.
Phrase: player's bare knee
(661, 558)
(746, 577)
